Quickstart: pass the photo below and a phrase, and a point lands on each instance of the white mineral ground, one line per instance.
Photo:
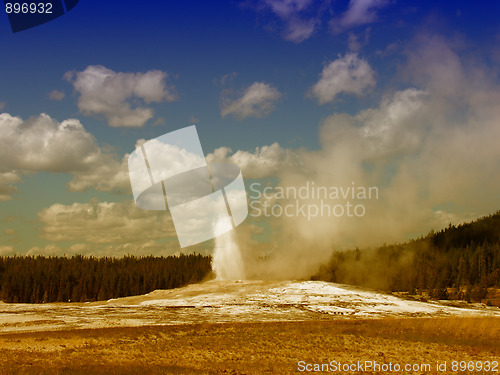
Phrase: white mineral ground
(228, 301)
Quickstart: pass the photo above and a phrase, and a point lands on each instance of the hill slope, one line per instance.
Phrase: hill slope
(459, 262)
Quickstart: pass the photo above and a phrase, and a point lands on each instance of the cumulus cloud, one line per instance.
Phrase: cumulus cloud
(7, 251)
(43, 144)
(147, 248)
(8, 181)
(349, 74)
(298, 24)
(104, 223)
(258, 100)
(102, 228)
(47, 250)
(56, 95)
(359, 12)
(299, 29)
(265, 161)
(107, 93)
(286, 8)
(109, 174)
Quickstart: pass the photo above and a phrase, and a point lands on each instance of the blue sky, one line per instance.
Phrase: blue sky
(327, 82)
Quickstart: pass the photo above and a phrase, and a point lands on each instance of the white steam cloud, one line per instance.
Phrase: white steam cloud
(431, 149)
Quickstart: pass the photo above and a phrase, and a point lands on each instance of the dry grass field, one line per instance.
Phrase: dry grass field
(253, 348)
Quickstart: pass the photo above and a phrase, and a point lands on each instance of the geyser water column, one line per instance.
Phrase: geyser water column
(227, 262)
(205, 201)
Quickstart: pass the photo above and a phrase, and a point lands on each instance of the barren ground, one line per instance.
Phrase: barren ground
(251, 348)
(245, 328)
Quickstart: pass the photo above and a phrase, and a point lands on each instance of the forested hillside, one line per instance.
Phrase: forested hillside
(78, 279)
(459, 262)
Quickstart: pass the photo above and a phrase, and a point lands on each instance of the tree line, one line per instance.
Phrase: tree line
(30, 279)
(459, 262)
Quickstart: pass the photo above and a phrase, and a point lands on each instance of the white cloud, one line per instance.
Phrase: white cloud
(43, 144)
(359, 12)
(257, 101)
(286, 8)
(108, 174)
(349, 74)
(297, 26)
(265, 161)
(7, 251)
(56, 95)
(47, 250)
(7, 184)
(108, 93)
(180, 160)
(226, 78)
(298, 29)
(118, 228)
(104, 223)
(355, 42)
(146, 248)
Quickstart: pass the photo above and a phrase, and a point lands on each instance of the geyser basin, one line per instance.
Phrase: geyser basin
(226, 301)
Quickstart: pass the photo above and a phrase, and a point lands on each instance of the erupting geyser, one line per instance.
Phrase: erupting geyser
(227, 262)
